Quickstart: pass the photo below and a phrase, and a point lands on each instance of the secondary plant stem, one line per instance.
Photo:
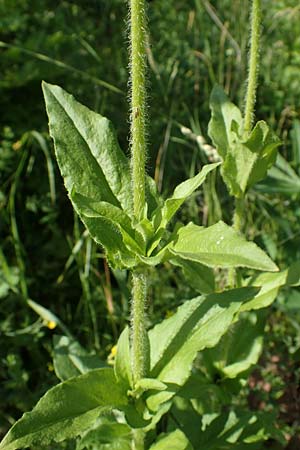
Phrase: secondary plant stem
(239, 211)
(253, 65)
(138, 103)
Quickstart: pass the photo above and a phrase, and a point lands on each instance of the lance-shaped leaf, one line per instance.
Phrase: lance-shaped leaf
(176, 440)
(91, 164)
(67, 410)
(181, 193)
(95, 170)
(197, 324)
(224, 115)
(88, 154)
(220, 246)
(122, 365)
(164, 213)
(246, 158)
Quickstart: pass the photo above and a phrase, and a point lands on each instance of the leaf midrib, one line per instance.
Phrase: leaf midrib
(85, 141)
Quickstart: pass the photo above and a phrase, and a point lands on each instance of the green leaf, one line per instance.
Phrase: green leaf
(263, 144)
(123, 361)
(88, 209)
(246, 158)
(106, 233)
(48, 316)
(199, 277)
(71, 359)
(97, 177)
(181, 193)
(220, 246)
(270, 284)
(148, 384)
(107, 436)
(93, 167)
(239, 348)
(154, 200)
(162, 253)
(224, 116)
(197, 324)
(67, 410)
(88, 154)
(175, 440)
(164, 213)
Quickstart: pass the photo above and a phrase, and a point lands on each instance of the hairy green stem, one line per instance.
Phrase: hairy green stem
(238, 220)
(253, 65)
(138, 103)
(138, 155)
(238, 217)
(139, 338)
(139, 342)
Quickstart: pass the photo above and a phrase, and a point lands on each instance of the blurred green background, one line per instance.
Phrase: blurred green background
(45, 255)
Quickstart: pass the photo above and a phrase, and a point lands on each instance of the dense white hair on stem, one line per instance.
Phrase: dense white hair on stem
(138, 99)
(253, 66)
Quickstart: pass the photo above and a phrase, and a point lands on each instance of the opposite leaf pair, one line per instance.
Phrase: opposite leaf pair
(97, 177)
(247, 157)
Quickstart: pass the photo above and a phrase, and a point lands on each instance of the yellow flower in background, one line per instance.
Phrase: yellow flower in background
(112, 355)
(17, 145)
(51, 324)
